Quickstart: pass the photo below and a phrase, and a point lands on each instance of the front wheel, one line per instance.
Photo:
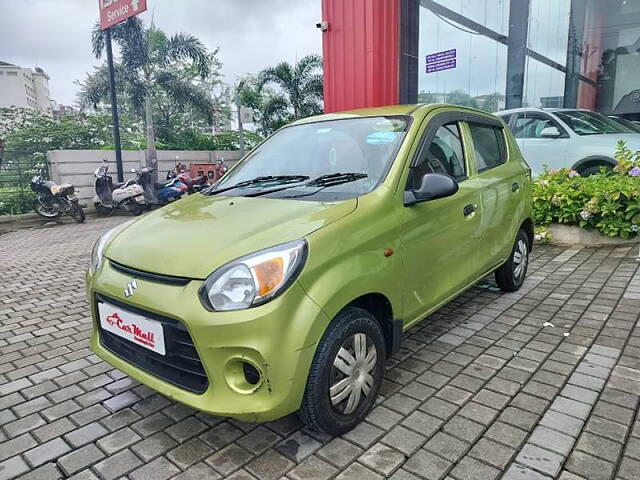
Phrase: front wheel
(510, 276)
(346, 373)
(46, 211)
(77, 213)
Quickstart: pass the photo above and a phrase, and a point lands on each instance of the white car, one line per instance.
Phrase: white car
(567, 138)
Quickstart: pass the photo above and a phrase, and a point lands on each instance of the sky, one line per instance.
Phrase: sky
(252, 34)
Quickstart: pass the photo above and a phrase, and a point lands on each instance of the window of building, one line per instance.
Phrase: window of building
(488, 145)
(444, 155)
(12, 74)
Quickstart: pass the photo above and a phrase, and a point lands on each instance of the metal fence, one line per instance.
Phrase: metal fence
(16, 170)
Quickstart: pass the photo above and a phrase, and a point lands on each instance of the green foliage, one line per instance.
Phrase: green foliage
(607, 201)
(171, 76)
(33, 133)
(298, 95)
(192, 140)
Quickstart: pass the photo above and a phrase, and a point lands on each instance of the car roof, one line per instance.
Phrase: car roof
(538, 109)
(390, 110)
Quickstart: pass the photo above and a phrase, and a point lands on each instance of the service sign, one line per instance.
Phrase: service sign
(113, 12)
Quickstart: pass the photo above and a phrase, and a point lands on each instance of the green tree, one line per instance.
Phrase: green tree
(460, 97)
(493, 102)
(271, 109)
(299, 88)
(148, 71)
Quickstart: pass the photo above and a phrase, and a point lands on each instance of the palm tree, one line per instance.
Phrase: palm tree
(147, 68)
(300, 84)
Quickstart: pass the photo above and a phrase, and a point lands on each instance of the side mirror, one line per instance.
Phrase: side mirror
(550, 132)
(432, 187)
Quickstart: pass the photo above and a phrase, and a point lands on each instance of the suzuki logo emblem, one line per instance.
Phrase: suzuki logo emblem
(131, 288)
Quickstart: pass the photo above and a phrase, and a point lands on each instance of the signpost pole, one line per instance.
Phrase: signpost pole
(114, 106)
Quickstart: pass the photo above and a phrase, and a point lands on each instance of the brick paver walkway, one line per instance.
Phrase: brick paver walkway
(543, 383)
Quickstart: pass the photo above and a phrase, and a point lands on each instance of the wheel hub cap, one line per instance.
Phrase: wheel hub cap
(520, 259)
(352, 373)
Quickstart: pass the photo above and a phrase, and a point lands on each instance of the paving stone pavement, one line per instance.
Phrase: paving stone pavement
(538, 384)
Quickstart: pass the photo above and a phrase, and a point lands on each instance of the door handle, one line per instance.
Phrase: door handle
(469, 209)
(515, 186)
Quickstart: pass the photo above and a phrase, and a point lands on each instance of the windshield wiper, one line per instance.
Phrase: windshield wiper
(265, 179)
(335, 179)
(330, 180)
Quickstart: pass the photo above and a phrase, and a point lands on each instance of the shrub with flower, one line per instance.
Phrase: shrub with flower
(607, 201)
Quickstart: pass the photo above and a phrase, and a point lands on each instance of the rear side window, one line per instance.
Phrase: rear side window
(488, 145)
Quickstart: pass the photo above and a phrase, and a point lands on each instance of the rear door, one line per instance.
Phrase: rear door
(440, 237)
(537, 150)
(501, 183)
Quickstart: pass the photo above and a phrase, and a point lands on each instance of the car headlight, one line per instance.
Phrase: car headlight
(98, 248)
(255, 279)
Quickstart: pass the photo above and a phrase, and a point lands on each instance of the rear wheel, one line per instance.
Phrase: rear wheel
(593, 169)
(77, 213)
(44, 210)
(133, 207)
(346, 373)
(511, 275)
(102, 210)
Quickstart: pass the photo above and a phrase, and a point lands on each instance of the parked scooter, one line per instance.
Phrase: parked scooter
(54, 200)
(193, 184)
(127, 196)
(159, 193)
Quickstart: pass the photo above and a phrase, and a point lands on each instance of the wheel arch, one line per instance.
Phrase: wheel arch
(381, 308)
(593, 160)
(528, 227)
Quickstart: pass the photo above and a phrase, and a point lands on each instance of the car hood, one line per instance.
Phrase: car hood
(194, 236)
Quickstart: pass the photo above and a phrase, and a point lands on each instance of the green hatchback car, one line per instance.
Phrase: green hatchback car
(286, 285)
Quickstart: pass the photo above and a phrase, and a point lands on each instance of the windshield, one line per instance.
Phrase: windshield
(590, 123)
(293, 160)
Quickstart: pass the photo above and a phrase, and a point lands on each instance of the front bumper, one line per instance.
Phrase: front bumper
(278, 338)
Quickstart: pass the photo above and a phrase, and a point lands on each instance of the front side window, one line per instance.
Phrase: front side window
(488, 145)
(590, 123)
(303, 161)
(443, 155)
(530, 125)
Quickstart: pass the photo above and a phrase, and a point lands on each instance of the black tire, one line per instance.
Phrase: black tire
(593, 169)
(102, 210)
(133, 207)
(43, 211)
(511, 275)
(77, 213)
(318, 411)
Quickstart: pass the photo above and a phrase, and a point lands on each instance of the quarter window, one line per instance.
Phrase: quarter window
(444, 155)
(488, 145)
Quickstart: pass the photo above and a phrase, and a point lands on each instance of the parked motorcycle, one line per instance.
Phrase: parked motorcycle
(127, 196)
(55, 200)
(193, 184)
(159, 193)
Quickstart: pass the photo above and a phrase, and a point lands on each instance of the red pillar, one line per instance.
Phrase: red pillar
(361, 53)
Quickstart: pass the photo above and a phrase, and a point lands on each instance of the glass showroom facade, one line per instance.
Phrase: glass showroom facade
(497, 54)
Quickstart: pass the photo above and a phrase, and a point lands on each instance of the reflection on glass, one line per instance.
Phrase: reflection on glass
(549, 28)
(543, 85)
(479, 77)
(493, 14)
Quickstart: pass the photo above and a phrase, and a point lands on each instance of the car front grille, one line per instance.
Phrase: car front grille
(181, 366)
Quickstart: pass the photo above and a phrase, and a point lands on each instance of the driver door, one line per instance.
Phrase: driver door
(440, 238)
(537, 150)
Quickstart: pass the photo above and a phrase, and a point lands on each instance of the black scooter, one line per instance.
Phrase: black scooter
(54, 200)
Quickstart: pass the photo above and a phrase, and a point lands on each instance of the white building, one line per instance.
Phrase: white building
(23, 87)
